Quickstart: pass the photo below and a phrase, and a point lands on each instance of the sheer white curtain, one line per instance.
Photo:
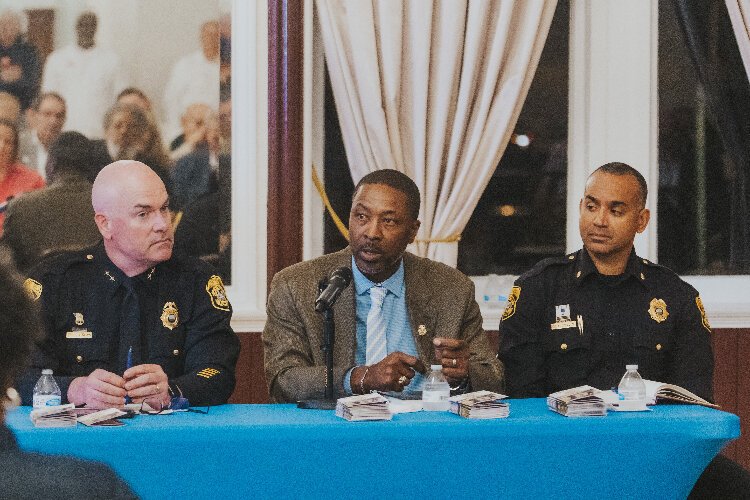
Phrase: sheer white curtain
(433, 89)
(739, 13)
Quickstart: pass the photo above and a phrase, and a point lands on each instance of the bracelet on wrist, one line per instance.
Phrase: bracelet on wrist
(362, 380)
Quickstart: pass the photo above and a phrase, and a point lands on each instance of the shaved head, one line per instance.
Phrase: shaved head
(131, 209)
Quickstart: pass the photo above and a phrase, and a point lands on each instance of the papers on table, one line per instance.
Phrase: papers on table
(102, 417)
(54, 416)
(480, 404)
(583, 401)
(371, 406)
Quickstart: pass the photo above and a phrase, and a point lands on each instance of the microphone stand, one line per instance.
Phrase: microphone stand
(329, 337)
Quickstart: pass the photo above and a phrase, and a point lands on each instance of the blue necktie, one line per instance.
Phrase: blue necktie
(377, 347)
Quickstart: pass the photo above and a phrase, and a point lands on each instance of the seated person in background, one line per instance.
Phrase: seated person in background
(581, 318)
(135, 97)
(195, 174)
(32, 475)
(10, 108)
(45, 118)
(15, 177)
(58, 217)
(428, 315)
(194, 123)
(204, 228)
(125, 318)
(19, 62)
(131, 135)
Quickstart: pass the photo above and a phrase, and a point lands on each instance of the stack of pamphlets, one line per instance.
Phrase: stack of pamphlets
(54, 416)
(480, 404)
(582, 401)
(102, 417)
(371, 406)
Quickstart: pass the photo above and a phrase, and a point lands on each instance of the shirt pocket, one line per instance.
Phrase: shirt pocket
(166, 349)
(85, 355)
(651, 345)
(567, 341)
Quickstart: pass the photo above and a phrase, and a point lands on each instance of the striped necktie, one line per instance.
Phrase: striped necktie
(376, 340)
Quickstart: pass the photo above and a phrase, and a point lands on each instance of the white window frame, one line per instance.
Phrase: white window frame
(249, 164)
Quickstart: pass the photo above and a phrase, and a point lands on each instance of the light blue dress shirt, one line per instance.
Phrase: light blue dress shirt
(398, 329)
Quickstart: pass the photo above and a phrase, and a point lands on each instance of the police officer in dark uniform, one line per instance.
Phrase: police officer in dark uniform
(579, 319)
(126, 318)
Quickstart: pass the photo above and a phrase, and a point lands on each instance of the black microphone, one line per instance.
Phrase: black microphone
(337, 282)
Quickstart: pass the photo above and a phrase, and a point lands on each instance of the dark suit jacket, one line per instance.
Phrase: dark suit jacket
(32, 475)
(58, 217)
(437, 296)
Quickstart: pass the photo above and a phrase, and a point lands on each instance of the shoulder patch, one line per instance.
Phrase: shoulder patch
(33, 288)
(217, 293)
(510, 308)
(704, 318)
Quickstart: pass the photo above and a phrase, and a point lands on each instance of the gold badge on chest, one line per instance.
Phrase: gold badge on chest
(658, 310)
(170, 316)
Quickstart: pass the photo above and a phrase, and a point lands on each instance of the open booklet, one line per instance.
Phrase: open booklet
(658, 390)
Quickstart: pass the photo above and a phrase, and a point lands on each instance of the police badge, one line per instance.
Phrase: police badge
(658, 310)
(218, 294)
(170, 316)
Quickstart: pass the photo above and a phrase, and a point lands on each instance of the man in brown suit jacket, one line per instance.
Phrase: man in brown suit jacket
(443, 321)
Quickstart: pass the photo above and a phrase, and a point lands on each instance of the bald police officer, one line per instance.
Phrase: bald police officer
(126, 318)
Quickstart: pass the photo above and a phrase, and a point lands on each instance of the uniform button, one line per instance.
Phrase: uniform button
(658, 347)
(79, 359)
(90, 257)
(176, 352)
(563, 346)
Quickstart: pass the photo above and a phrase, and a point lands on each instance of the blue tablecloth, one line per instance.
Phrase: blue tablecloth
(264, 451)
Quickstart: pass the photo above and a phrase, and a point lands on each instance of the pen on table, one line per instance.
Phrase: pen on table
(129, 364)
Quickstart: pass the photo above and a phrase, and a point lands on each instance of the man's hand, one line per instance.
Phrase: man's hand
(101, 389)
(11, 73)
(453, 354)
(147, 382)
(392, 373)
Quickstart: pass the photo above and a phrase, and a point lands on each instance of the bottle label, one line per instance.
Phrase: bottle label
(435, 396)
(42, 400)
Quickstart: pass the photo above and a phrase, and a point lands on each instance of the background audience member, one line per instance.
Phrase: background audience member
(10, 108)
(205, 227)
(45, 120)
(19, 63)
(136, 97)
(32, 475)
(194, 79)
(15, 178)
(225, 121)
(88, 77)
(131, 135)
(194, 123)
(195, 174)
(59, 217)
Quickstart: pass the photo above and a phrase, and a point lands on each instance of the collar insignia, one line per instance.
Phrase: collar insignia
(78, 318)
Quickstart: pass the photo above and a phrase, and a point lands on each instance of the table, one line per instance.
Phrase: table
(263, 451)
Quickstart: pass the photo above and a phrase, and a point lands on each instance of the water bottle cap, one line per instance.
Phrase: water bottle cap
(436, 367)
(631, 367)
(46, 371)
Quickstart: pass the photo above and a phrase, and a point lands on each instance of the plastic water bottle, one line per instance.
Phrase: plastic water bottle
(632, 390)
(46, 391)
(436, 390)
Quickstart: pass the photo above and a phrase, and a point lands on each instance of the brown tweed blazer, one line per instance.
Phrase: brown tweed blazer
(437, 296)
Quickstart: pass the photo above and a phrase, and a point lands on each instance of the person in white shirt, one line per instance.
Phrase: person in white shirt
(46, 118)
(194, 79)
(89, 78)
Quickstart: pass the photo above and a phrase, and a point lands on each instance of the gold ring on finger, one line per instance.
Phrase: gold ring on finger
(454, 361)
(402, 380)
